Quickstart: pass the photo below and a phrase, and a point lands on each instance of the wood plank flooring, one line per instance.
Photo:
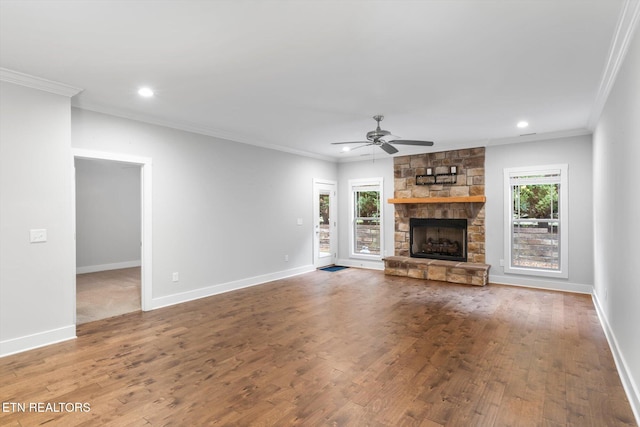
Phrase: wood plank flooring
(350, 348)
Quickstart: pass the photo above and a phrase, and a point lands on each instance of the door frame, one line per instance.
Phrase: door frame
(332, 187)
(145, 163)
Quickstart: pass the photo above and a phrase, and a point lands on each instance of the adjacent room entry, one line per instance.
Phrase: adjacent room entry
(108, 235)
(113, 235)
(325, 222)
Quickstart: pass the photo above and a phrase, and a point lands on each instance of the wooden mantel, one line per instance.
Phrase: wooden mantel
(461, 199)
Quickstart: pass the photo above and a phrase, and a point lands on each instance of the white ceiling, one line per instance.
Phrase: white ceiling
(298, 75)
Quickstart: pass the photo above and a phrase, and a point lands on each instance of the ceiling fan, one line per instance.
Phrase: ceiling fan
(380, 137)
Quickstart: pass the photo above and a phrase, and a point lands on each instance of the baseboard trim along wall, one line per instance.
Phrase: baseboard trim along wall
(41, 339)
(361, 263)
(630, 387)
(227, 287)
(106, 267)
(578, 288)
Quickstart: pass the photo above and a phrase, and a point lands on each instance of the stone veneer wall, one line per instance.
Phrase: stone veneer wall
(470, 182)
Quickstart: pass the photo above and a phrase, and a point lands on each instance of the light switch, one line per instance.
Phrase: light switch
(38, 235)
(299, 221)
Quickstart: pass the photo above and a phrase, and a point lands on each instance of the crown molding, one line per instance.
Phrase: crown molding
(39, 83)
(627, 23)
(537, 137)
(195, 128)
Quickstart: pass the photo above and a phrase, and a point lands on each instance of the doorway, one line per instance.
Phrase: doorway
(126, 273)
(325, 222)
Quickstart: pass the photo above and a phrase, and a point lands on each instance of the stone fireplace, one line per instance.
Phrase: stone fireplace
(457, 199)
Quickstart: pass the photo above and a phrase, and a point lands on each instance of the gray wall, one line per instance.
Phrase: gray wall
(616, 154)
(107, 215)
(574, 151)
(223, 212)
(381, 166)
(37, 295)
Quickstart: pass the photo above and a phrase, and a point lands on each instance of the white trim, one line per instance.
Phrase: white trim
(196, 128)
(563, 219)
(332, 187)
(630, 387)
(40, 339)
(627, 23)
(361, 263)
(39, 83)
(146, 209)
(104, 155)
(541, 283)
(374, 182)
(107, 267)
(227, 287)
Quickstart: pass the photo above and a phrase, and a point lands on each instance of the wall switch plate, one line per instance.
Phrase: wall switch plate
(299, 221)
(38, 235)
(175, 277)
(286, 258)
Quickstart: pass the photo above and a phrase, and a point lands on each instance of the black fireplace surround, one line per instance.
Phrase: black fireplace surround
(444, 239)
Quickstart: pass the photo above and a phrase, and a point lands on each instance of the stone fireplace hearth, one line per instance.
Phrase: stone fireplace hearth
(460, 198)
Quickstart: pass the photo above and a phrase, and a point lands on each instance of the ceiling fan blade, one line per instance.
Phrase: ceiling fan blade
(350, 142)
(360, 146)
(411, 142)
(390, 149)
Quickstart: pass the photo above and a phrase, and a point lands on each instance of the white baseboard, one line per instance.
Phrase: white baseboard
(361, 263)
(106, 267)
(41, 339)
(526, 282)
(226, 287)
(630, 387)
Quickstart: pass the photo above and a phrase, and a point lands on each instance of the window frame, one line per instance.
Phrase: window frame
(563, 220)
(359, 185)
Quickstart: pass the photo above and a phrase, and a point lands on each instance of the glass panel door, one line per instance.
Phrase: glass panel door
(325, 223)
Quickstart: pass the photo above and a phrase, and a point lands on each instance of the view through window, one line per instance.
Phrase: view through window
(536, 222)
(367, 218)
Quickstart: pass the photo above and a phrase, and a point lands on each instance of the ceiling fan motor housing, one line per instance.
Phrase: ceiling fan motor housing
(375, 135)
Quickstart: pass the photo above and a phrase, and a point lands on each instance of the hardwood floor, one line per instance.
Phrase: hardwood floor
(107, 293)
(350, 348)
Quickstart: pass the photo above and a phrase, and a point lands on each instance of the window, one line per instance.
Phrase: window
(366, 219)
(536, 221)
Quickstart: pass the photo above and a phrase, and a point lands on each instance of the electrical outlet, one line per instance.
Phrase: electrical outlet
(501, 263)
(176, 276)
(38, 235)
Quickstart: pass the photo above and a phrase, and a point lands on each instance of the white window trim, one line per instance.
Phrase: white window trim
(563, 216)
(353, 183)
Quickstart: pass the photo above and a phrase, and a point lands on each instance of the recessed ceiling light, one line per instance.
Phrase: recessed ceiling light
(145, 92)
(522, 124)
(346, 149)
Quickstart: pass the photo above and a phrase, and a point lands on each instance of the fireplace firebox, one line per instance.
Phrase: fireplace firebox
(433, 238)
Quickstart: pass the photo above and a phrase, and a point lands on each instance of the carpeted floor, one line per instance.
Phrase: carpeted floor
(106, 294)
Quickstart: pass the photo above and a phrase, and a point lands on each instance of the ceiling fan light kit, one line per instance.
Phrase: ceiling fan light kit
(379, 137)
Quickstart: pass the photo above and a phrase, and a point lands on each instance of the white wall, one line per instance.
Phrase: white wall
(37, 294)
(108, 227)
(381, 166)
(224, 213)
(574, 151)
(616, 191)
